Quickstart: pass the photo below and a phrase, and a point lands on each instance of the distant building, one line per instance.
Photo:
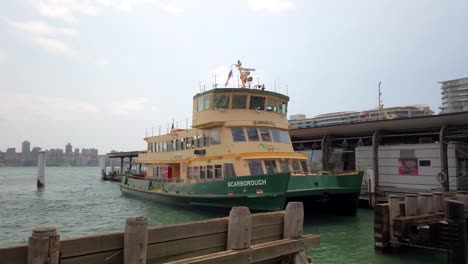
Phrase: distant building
(454, 96)
(68, 149)
(25, 148)
(357, 117)
(77, 151)
(34, 152)
(10, 153)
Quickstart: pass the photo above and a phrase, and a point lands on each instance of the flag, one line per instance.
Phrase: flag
(172, 127)
(229, 77)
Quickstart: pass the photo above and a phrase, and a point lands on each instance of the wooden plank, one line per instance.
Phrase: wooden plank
(108, 257)
(91, 244)
(185, 255)
(267, 231)
(270, 218)
(266, 239)
(187, 230)
(257, 253)
(14, 255)
(181, 246)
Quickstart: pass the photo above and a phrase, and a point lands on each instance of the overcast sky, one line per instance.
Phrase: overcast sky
(98, 73)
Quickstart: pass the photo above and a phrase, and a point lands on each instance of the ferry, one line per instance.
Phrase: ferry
(237, 153)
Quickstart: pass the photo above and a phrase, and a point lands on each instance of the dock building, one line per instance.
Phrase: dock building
(403, 155)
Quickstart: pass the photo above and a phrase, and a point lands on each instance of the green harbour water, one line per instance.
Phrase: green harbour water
(78, 203)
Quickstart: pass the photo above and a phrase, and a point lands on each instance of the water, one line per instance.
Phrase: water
(78, 203)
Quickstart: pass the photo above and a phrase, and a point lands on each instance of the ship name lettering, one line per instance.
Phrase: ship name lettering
(247, 183)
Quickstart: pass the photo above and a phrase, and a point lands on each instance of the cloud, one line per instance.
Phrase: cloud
(128, 107)
(274, 6)
(18, 107)
(68, 10)
(2, 55)
(46, 36)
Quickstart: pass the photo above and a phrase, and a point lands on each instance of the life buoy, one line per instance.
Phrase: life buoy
(442, 177)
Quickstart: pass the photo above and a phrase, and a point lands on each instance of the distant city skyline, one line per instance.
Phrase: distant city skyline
(101, 73)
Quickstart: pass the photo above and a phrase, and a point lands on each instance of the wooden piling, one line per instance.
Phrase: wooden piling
(425, 203)
(135, 240)
(394, 211)
(455, 213)
(381, 227)
(293, 220)
(102, 165)
(44, 246)
(41, 162)
(411, 205)
(239, 228)
(438, 201)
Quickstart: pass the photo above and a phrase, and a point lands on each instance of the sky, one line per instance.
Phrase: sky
(106, 73)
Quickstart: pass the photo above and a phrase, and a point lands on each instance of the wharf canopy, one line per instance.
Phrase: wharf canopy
(231, 126)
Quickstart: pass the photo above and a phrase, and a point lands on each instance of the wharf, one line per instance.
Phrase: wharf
(274, 237)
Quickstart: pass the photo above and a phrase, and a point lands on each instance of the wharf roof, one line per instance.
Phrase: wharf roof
(125, 154)
(394, 125)
(242, 90)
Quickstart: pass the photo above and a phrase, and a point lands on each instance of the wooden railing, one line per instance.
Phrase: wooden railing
(240, 238)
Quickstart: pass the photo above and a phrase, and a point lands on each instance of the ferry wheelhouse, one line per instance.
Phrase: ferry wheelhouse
(238, 152)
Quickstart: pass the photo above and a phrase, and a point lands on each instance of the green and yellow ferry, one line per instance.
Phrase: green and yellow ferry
(237, 153)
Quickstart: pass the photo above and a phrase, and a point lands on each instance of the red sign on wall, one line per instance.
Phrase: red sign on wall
(408, 166)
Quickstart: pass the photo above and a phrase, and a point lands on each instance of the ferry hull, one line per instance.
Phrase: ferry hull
(263, 192)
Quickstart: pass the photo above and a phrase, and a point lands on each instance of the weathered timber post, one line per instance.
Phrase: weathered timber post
(411, 205)
(463, 197)
(135, 240)
(44, 246)
(41, 161)
(455, 214)
(293, 226)
(394, 212)
(102, 165)
(376, 141)
(438, 201)
(239, 228)
(425, 203)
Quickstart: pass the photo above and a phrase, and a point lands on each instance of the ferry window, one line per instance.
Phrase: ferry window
(257, 103)
(206, 138)
(237, 134)
(199, 104)
(229, 170)
(196, 172)
(164, 148)
(202, 172)
(200, 141)
(209, 171)
(206, 103)
(188, 143)
(194, 141)
(189, 173)
(255, 167)
(284, 165)
(149, 147)
(276, 135)
(270, 166)
(214, 137)
(182, 144)
(174, 144)
(265, 133)
(239, 101)
(304, 166)
(285, 136)
(284, 107)
(177, 145)
(272, 105)
(296, 166)
(218, 171)
(221, 102)
(252, 133)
